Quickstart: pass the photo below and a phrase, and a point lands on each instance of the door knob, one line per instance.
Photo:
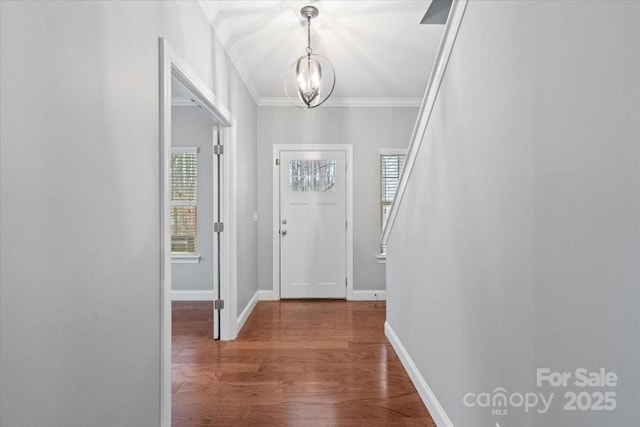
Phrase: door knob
(283, 232)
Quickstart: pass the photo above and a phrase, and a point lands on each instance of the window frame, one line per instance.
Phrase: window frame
(185, 257)
(382, 256)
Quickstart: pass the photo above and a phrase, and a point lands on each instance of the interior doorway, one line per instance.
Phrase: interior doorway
(176, 78)
(195, 191)
(313, 221)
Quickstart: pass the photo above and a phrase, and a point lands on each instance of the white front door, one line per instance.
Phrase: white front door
(312, 224)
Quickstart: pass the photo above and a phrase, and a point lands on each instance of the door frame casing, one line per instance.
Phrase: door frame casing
(172, 65)
(348, 150)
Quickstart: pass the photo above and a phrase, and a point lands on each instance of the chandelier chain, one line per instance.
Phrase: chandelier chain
(309, 50)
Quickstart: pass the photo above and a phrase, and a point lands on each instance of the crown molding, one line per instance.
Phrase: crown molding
(348, 102)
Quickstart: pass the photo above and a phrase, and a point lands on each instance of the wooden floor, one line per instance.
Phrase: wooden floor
(295, 363)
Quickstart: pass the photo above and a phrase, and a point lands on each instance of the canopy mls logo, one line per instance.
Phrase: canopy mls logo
(500, 401)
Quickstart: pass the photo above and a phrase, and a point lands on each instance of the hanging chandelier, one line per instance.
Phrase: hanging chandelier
(311, 78)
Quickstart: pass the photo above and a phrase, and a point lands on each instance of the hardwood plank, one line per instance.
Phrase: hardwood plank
(298, 363)
(285, 345)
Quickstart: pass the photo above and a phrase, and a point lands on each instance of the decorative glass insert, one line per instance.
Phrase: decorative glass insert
(312, 175)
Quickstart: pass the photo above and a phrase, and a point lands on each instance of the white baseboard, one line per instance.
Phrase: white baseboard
(433, 406)
(267, 295)
(246, 312)
(369, 296)
(192, 296)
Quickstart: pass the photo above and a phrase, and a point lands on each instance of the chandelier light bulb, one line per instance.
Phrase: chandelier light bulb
(309, 76)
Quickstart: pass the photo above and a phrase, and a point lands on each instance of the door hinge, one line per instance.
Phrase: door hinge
(345, 282)
(218, 149)
(277, 162)
(218, 227)
(218, 304)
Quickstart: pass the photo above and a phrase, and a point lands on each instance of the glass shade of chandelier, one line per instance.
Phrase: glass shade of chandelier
(311, 79)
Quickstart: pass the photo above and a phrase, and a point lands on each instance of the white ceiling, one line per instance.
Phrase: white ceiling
(380, 51)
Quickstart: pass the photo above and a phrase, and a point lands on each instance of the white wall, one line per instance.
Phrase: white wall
(246, 188)
(191, 127)
(368, 129)
(516, 245)
(79, 273)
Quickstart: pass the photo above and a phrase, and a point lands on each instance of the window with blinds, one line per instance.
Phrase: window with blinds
(184, 200)
(391, 164)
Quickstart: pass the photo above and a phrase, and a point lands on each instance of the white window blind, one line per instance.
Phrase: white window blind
(391, 165)
(184, 200)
